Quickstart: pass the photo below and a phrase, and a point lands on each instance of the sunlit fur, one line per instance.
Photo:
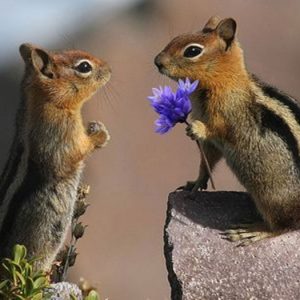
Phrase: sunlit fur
(37, 207)
(234, 118)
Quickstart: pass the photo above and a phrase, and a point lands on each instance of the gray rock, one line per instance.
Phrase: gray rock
(62, 291)
(201, 265)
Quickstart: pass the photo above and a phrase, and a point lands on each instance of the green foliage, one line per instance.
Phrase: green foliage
(20, 281)
(93, 295)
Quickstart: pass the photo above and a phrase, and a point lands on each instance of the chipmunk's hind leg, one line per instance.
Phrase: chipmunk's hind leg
(248, 233)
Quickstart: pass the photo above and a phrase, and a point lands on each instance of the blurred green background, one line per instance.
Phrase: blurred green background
(122, 251)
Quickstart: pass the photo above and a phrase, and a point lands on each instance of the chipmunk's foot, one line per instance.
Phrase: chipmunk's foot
(193, 187)
(196, 130)
(247, 234)
(98, 133)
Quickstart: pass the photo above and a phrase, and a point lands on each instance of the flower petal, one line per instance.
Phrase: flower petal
(172, 107)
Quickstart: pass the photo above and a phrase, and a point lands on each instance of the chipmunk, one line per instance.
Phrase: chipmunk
(39, 183)
(254, 126)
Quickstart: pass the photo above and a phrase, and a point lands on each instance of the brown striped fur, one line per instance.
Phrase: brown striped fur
(253, 126)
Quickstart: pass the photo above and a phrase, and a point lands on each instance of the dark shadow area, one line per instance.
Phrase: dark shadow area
(216, 210)
(176, 287)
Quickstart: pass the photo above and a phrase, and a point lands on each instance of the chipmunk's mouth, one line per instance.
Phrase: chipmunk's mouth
(166, 72)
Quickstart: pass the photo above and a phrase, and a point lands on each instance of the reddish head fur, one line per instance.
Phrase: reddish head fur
(220, 64)
(55, 78)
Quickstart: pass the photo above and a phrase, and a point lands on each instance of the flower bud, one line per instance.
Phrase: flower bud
(61, 256)
(78, 231)
(83, 191)
(85, 286)
(80, 208)
(72, 258)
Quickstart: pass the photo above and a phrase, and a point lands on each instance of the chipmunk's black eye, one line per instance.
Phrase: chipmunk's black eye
(84, 67)
(192, 51)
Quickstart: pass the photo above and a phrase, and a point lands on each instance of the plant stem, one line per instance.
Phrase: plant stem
(205, 160)
(70, 251)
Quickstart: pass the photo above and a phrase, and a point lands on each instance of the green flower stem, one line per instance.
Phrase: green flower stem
(205, 160)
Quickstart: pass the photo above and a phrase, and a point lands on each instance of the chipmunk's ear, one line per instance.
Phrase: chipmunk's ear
(37, 58)
(211, 24)
(226, 30)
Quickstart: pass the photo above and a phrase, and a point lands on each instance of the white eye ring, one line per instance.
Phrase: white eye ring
(88, 66)
(189, 55)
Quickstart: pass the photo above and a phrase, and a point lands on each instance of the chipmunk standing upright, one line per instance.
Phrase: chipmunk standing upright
(253, 125)
(39, 183)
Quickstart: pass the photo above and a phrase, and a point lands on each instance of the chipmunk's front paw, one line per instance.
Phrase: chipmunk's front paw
(98, 133)
(194, 186)
(247, 234)
(196, 130)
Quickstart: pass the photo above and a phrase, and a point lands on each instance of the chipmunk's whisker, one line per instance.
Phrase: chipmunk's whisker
(113, 92)
(107, 98)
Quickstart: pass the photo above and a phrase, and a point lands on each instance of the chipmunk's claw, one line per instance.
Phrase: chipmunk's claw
(94, 127)
(190, 132)
(193, 186)
(98, 133)
(197, 130)
(187, 187)
(247, 233)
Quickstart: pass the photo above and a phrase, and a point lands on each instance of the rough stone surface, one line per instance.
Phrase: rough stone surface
(62, 291)
(201, 265)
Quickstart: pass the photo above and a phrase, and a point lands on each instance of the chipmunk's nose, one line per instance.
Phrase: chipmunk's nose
(159, 61)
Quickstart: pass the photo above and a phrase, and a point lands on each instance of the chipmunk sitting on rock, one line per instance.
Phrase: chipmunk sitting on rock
(254, 126)
(39, 183)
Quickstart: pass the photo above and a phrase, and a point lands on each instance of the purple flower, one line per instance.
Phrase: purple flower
(172, 107)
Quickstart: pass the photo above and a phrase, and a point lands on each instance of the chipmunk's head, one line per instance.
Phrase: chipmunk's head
(66, 78)
(201, 55)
